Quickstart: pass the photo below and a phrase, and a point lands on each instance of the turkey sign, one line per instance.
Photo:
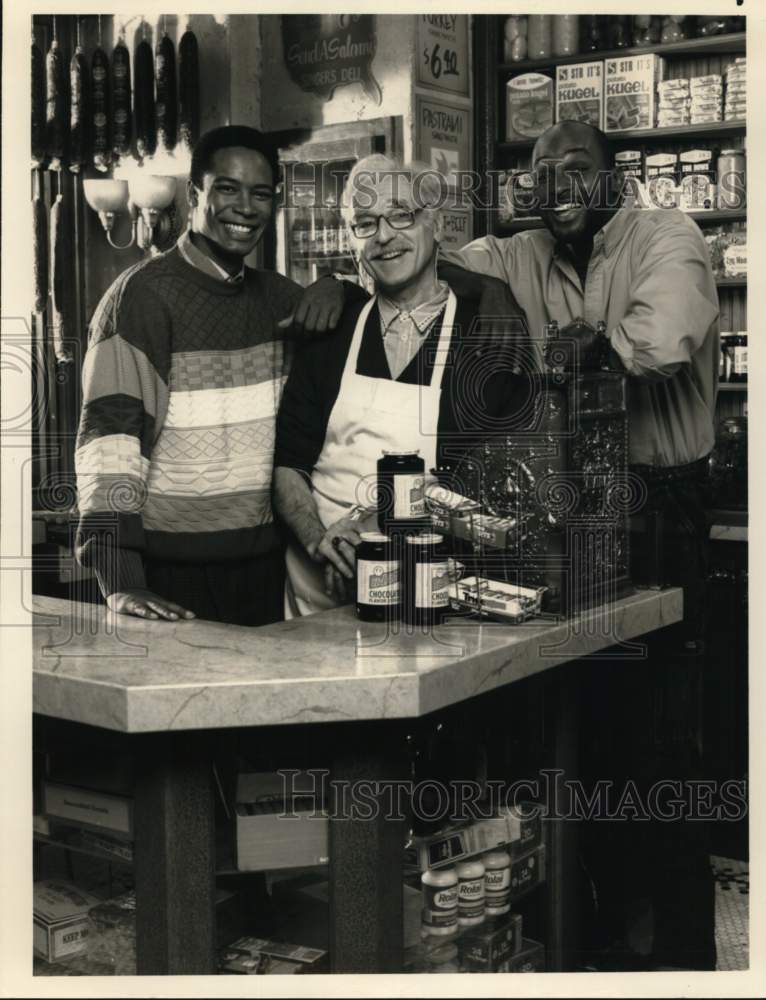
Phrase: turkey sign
(325, 51)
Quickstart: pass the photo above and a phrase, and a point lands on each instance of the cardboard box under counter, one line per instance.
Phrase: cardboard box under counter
(272, 833)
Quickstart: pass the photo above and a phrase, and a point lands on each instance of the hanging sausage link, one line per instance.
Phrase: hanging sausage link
(188, 75)
(102, 151)
(55, 106)
(79, 118)
(167, 94)
(146, 126)
(38, 107)
(122, 120)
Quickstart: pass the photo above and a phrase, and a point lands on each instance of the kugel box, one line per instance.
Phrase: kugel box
(60, 919)
(277, 832)
(629, 89)
(485, 948)
(580, 93)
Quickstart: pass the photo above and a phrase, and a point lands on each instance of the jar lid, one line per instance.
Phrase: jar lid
(401, 454)
(372, 536)
(732, 152)
(425, 539)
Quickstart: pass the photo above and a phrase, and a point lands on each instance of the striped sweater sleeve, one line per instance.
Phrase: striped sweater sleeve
(125, 399)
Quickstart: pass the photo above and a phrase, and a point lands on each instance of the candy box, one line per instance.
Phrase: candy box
(630, 83)
(529, 106)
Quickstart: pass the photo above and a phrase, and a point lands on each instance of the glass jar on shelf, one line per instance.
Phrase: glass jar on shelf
(515, 38)
(591, 33)
(727, 465)
(539, 36)
(619, 34)
(673, 28)
(646, 30)
(565, 34)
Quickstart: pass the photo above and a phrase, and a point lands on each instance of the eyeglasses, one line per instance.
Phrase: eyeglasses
(400, 219)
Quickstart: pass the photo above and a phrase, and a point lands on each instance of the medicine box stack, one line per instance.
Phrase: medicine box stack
(629, 88)
(580, 93)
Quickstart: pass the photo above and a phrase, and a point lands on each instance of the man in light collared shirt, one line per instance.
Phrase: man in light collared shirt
(648, 275)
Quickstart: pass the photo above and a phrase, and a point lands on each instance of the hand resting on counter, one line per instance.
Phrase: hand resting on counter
(145, 604)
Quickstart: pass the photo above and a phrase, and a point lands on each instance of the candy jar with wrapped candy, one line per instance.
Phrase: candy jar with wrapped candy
(515, 41)
(673, 28)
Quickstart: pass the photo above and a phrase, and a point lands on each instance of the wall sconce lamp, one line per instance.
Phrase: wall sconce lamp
(149, 193)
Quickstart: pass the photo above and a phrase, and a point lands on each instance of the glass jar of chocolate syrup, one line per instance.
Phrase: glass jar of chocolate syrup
(378, 579)
(401, 488)
(425, 595)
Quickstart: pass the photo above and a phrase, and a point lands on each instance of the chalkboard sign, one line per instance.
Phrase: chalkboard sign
(325, 51)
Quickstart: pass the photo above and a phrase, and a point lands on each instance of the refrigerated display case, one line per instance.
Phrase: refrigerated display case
(311, 239)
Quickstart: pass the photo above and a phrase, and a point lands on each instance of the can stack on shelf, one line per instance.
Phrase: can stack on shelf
(673, 103)
(735, 107)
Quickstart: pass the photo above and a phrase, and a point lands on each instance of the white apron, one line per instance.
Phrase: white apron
(370, 415)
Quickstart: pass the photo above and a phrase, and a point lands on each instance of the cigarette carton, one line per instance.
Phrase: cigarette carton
(580, 93)
(629, 83)
(527, 872)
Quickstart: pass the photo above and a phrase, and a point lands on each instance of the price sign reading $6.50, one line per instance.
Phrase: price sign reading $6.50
(443, 48)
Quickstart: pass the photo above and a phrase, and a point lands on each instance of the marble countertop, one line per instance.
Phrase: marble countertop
(136, 676)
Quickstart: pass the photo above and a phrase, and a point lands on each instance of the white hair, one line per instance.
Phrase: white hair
(422, 187)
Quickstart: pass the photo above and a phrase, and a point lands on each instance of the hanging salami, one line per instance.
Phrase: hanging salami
(188, 79)
(55, 106)
(102, 146)
(143, 100)
(122, 120)
(167, 94)
(58, 254)
(40, 249)
(79, 114)
(38, 107)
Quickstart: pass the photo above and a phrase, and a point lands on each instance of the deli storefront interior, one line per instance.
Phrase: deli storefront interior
(461, 792)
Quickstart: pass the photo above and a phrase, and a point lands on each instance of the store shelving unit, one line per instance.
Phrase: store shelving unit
(692, 57)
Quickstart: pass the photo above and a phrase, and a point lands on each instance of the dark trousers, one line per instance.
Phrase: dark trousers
(242, 592)
(641, 726)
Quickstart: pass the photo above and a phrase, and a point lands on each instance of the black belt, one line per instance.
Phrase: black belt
(672, 473)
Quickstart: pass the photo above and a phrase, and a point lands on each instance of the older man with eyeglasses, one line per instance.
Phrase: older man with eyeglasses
(387, 378)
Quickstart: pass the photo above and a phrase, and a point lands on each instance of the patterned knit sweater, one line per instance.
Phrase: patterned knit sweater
(181, 384)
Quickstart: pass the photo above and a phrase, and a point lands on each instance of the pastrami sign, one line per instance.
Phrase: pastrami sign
(326, 51)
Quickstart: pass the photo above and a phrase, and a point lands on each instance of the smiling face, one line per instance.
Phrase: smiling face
(397, 259)
(575, 182)
(234, 205)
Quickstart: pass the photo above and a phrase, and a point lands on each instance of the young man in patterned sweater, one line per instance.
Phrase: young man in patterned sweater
(181, 384)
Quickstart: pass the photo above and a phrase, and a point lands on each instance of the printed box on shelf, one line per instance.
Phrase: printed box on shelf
(527, 872)
(580, 93)
(630, 94)
(484, 948)
(89, 809)
(60, 919)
